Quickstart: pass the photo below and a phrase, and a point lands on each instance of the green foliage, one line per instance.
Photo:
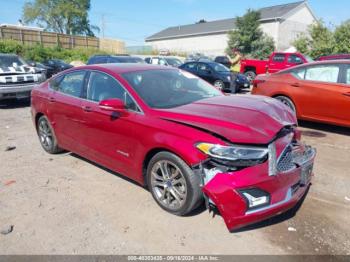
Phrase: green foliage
(342, 38)
(61, 16)
(39, 53)
(321, 40)
(248, 37)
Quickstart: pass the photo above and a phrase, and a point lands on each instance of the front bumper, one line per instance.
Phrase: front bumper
(9, 91)
(285, 190)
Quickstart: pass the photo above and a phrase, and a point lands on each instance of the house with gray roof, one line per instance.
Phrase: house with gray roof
(282, 22)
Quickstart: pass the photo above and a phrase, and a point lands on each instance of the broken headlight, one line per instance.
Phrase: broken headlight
(234, 154)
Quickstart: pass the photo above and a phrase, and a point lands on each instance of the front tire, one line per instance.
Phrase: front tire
(219, 85)
(287, 101)
(173, 184)
(47, 136)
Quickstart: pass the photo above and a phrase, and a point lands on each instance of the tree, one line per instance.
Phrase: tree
(342, 38)
(61, 16)
(248, 37)
(319, 41)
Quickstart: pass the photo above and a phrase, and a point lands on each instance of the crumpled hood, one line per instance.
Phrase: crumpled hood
(239, 118)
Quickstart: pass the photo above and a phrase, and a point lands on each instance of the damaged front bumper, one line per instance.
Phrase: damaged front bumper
(255, 193)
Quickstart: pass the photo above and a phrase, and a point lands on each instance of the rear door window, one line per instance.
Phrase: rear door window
(191, 66)
(72, 84)
(203, 68)
(323, 73)
(279, 58)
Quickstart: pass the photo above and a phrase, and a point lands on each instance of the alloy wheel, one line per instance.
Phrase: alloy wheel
(168, 185)
(219, 85)
(45, 134)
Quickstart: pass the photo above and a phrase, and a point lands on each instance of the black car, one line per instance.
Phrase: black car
(106, 59)
(55, 66)
(217, 74)
(224, 60)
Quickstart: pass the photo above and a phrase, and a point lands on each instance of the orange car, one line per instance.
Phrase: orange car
(317, 91)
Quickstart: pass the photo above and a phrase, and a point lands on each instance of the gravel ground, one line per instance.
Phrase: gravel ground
(63, 204)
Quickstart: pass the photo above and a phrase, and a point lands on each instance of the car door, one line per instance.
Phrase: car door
(64, 108)
(205, 72)
(319, 91)
(277, 63)
(109, 138)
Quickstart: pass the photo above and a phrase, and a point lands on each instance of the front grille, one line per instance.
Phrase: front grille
(285, 162)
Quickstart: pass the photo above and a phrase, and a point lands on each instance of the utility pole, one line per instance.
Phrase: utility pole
(103, 25)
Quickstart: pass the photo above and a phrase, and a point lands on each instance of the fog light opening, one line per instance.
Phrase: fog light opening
(255, 198)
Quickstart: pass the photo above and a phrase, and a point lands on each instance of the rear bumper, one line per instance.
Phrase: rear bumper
(285, 191)
(16, 91)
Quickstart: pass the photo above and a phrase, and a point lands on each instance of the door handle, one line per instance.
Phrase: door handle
(295, 84)
(52, 99)
(87, 108)
(346, 94)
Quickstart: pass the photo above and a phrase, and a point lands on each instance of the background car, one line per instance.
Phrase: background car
(56, 66)
(317, 91)
(224, 60)
(106, 59)
(217, 74)
(17, 77)
(277, 61)
(164, 60)
(333, 57)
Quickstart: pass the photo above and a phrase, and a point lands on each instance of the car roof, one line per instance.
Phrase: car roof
(121, 68)
(323, 62)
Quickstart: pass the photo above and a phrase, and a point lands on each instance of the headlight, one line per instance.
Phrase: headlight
(239, 155)
(228, 78)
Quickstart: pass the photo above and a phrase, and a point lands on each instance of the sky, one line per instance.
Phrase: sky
(133, 20)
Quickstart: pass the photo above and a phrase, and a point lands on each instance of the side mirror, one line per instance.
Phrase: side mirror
(113, 105)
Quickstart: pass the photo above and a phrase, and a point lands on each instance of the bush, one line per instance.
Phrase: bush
(39, 53)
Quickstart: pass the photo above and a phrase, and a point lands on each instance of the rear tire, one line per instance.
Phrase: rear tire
(287, 101)
(173, 184)
(47, 136)
(251, 75)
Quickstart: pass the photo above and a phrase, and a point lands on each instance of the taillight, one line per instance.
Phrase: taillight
(257, 81)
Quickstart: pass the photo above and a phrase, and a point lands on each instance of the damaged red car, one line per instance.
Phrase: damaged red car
(178, 135)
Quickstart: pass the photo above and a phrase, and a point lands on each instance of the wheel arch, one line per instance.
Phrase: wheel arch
(250, 68)
(152, 152)
(37, 116)
(289, 97)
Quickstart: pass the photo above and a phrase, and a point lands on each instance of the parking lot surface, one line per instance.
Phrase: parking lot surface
(63, 204)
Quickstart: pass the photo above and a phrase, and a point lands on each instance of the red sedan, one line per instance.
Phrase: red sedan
(316, 91)
(177, 134)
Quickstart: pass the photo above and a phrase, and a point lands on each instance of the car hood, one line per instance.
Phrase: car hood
(239, 118)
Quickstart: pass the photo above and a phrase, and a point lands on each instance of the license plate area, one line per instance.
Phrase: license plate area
(306, 172)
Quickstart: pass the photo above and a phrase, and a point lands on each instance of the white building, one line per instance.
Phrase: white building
(282, 22)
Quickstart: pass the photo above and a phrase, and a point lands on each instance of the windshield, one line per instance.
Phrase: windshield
(220, 68)
(174, 61)
(169, 88)
(9, 61)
